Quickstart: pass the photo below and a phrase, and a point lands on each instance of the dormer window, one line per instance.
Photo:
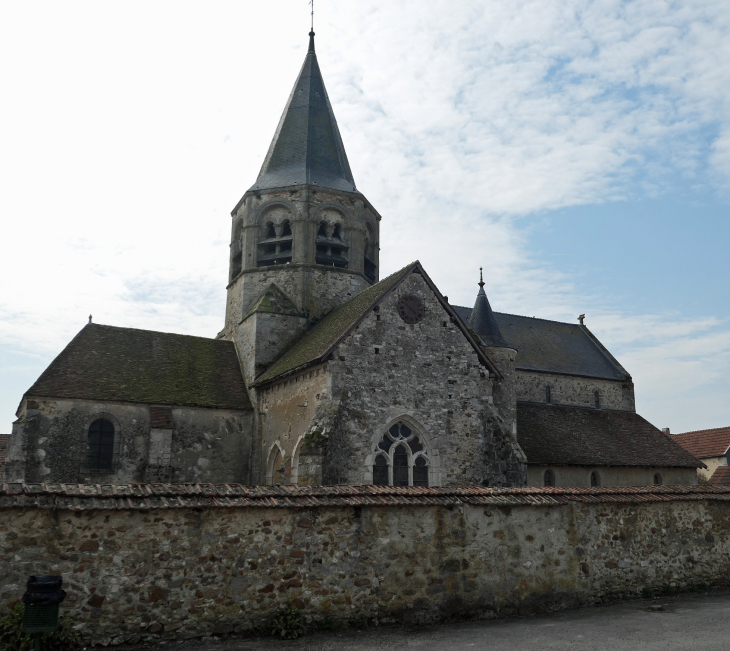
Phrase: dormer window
(276, 245)
(331, 251)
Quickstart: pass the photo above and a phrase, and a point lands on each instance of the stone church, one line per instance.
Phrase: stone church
(325, 374)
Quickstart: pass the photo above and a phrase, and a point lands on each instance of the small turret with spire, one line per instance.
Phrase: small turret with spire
(482, 319)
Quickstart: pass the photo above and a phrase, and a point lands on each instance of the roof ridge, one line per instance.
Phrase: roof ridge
(702, 431)
(157, 332)
(394, 278)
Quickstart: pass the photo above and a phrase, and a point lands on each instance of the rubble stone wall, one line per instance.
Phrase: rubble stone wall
(49, 443)
(450, 403)
(572, 390)
(171, 572)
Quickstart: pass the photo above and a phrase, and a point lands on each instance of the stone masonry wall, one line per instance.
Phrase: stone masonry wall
(428, 375)
(610, 476)
(201, 444)
(179, 566)
(571, 390)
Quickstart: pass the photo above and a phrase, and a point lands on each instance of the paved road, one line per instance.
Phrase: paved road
(696, 622)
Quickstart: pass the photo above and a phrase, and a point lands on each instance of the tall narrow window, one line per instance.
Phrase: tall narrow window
(595, 480)
(657, 479)
(270, 231)
(548, 397)
(286, 228)
(596, 400)
(100, 447)
(380, 471)
(401, 459)
(549, 478)
(236, 253)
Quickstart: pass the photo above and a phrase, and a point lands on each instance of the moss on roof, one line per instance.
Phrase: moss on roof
(127, 365)
(318, 343)
(274, 301)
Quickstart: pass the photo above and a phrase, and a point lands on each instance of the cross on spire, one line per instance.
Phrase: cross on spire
(481, 278)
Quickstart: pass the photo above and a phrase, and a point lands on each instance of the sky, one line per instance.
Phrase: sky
(579, 151)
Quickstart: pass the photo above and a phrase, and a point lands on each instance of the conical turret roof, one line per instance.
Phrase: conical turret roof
(307, 147)
(482, 320)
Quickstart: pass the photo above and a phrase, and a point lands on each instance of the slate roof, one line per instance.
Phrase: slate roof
(319, 342)
(555, 435)
(706, 442)
(721, 476)
(307, 147)
(555, 347)
(482, 321)
(126, 365)
(84, 497)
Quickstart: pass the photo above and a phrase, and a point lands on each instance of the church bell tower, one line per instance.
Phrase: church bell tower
(302, 226)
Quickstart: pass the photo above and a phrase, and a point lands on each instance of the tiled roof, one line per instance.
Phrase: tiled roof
(126, 365)
(721, 476)
(322, 339)
(577, 436)
(4, 438)
(705, 442)
(554, 347)
(307, 147)
(274, 301)
(79, 497)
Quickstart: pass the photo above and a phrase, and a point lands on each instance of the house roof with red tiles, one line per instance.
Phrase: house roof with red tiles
(721, 476)
(705, 443)
(84, 497)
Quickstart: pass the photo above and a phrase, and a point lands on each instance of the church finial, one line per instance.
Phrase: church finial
(481, 278)
(89, 318)
(311, 30)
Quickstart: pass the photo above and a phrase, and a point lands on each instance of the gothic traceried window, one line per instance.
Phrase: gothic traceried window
(400, 459)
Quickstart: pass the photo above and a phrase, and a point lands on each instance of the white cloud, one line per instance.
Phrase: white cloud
(132, 128)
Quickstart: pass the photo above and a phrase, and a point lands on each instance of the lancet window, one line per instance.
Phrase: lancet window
(400, 459)
(330, 247)
(236, 252)
(276, 245)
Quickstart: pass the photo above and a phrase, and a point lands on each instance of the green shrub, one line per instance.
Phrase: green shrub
(647, 592)
(14, 638)
(286, 624)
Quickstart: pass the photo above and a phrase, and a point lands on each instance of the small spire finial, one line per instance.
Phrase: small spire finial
(89, 318)
(311, 30)
(481, 278)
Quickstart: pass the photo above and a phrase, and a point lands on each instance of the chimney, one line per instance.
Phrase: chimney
(665, 430)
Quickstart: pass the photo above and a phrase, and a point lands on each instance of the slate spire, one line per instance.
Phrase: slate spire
(307, 147)
(482, 319)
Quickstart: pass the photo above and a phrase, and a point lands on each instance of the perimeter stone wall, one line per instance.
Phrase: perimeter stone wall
(170, 572)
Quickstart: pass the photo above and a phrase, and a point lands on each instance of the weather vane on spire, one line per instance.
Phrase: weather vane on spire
(311, 2)
(481, 278)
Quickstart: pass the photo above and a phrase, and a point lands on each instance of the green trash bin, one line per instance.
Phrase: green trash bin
(42, 598)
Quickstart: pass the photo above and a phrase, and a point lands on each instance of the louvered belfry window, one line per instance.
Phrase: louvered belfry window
(100, 447)
(400, 459)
